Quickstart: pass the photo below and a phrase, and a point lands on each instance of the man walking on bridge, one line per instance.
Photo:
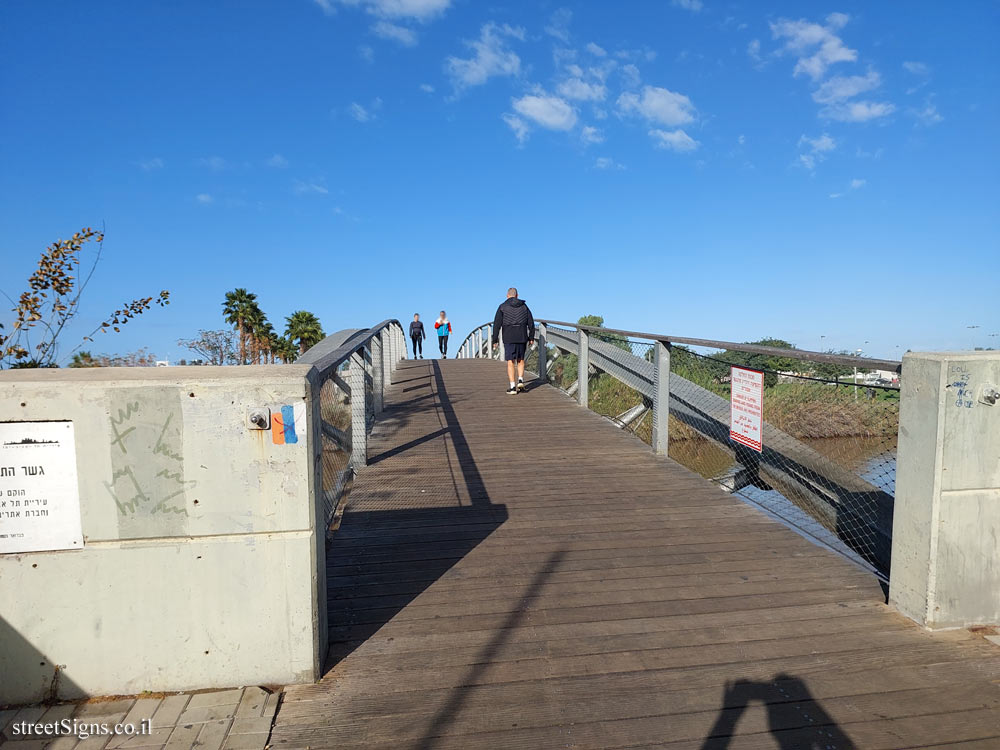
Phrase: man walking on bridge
(514, 319)
(417, 336)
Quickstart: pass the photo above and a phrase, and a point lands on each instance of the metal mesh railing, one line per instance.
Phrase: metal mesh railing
(827, 464)
(828, 461)
(355, 369)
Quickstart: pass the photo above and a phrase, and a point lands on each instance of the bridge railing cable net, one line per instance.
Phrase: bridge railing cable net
(826, 462)
(353, 369)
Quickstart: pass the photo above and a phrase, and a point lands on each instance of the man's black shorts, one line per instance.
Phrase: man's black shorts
(514, 352)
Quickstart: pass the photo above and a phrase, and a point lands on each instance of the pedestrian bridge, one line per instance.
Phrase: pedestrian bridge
(519, 571)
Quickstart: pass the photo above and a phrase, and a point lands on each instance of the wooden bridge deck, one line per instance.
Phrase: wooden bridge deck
(516, 572)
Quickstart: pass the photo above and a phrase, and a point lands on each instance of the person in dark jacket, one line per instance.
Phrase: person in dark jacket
(417, 336)
(514, 319)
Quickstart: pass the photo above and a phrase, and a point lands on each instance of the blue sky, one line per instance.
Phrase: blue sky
(824, 173)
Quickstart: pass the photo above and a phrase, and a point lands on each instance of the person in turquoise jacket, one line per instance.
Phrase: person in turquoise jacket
(443, 327)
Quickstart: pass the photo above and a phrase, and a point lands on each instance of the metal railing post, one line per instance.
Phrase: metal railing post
(479, 342)
(583, 368)
(489, 340)
(543, 368)
(500, 345)
(661, 398)
(359, 419)
(378, 374)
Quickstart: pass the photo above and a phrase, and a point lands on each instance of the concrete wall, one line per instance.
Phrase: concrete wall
(203, 559)
(946, 524)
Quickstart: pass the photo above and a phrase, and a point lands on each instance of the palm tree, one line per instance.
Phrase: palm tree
(255, 322)
(287, 350)
(305, 328)
(237, 308)
(265, 339)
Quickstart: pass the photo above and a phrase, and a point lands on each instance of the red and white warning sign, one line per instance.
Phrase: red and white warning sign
(746, 408)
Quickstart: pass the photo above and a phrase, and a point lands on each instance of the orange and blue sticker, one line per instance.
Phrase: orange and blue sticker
(287, 423)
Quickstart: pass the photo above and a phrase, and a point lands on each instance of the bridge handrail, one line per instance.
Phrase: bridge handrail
(351, 370)
(873, 363)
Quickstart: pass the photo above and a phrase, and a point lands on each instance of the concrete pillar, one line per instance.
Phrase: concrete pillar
(661, 397)
(946, 521)
(388, 334)
(583, 368)
(543, 364)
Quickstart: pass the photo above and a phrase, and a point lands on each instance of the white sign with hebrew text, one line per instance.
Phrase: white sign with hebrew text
(39, 494)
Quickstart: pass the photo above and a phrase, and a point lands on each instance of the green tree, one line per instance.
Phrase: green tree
(304, 328)
(597, 321)
(238, 308)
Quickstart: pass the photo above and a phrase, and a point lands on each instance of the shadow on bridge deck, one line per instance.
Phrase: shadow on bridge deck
(513, 571)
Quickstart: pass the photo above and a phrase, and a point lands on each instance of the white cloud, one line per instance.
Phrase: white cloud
(395, 32)
(215, 163)
(659, 105)
(314, 187)
(674, 140)
(605, 162)
(596, 50)
(916, 68)
(419, 10)
(204, 198)
(816, 47)
(574, 88)
(753, 49)
(366, 53)
(630, 76)
(590, 134)
(692, 5)
(855, 184)
(741, 140)
(818, 145)
(359, 113)
(558, 25)
(927, 115)
(857, 111)
(149, 165)
(426, 88)
(277, 161)
(519, 126)
(546, 110)
(816, 150)
(840, 88)
(491, 57)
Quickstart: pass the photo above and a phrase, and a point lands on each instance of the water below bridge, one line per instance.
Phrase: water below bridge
(516, 572)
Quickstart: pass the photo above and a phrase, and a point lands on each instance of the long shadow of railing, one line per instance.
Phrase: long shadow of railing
(381, 560)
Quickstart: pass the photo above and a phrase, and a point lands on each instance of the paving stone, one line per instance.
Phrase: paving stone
(144, 708)
(251, 726)
(65, 742)
(271, 705)
(31, 715)
(55, 714)
(207, 713)
(170, 708)
(246, 741)
(108, 711)
(183, 736)
(252, 704)
(92, 743)
(216, 698)
(212, 735)
(30, 744)
(156, 738)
